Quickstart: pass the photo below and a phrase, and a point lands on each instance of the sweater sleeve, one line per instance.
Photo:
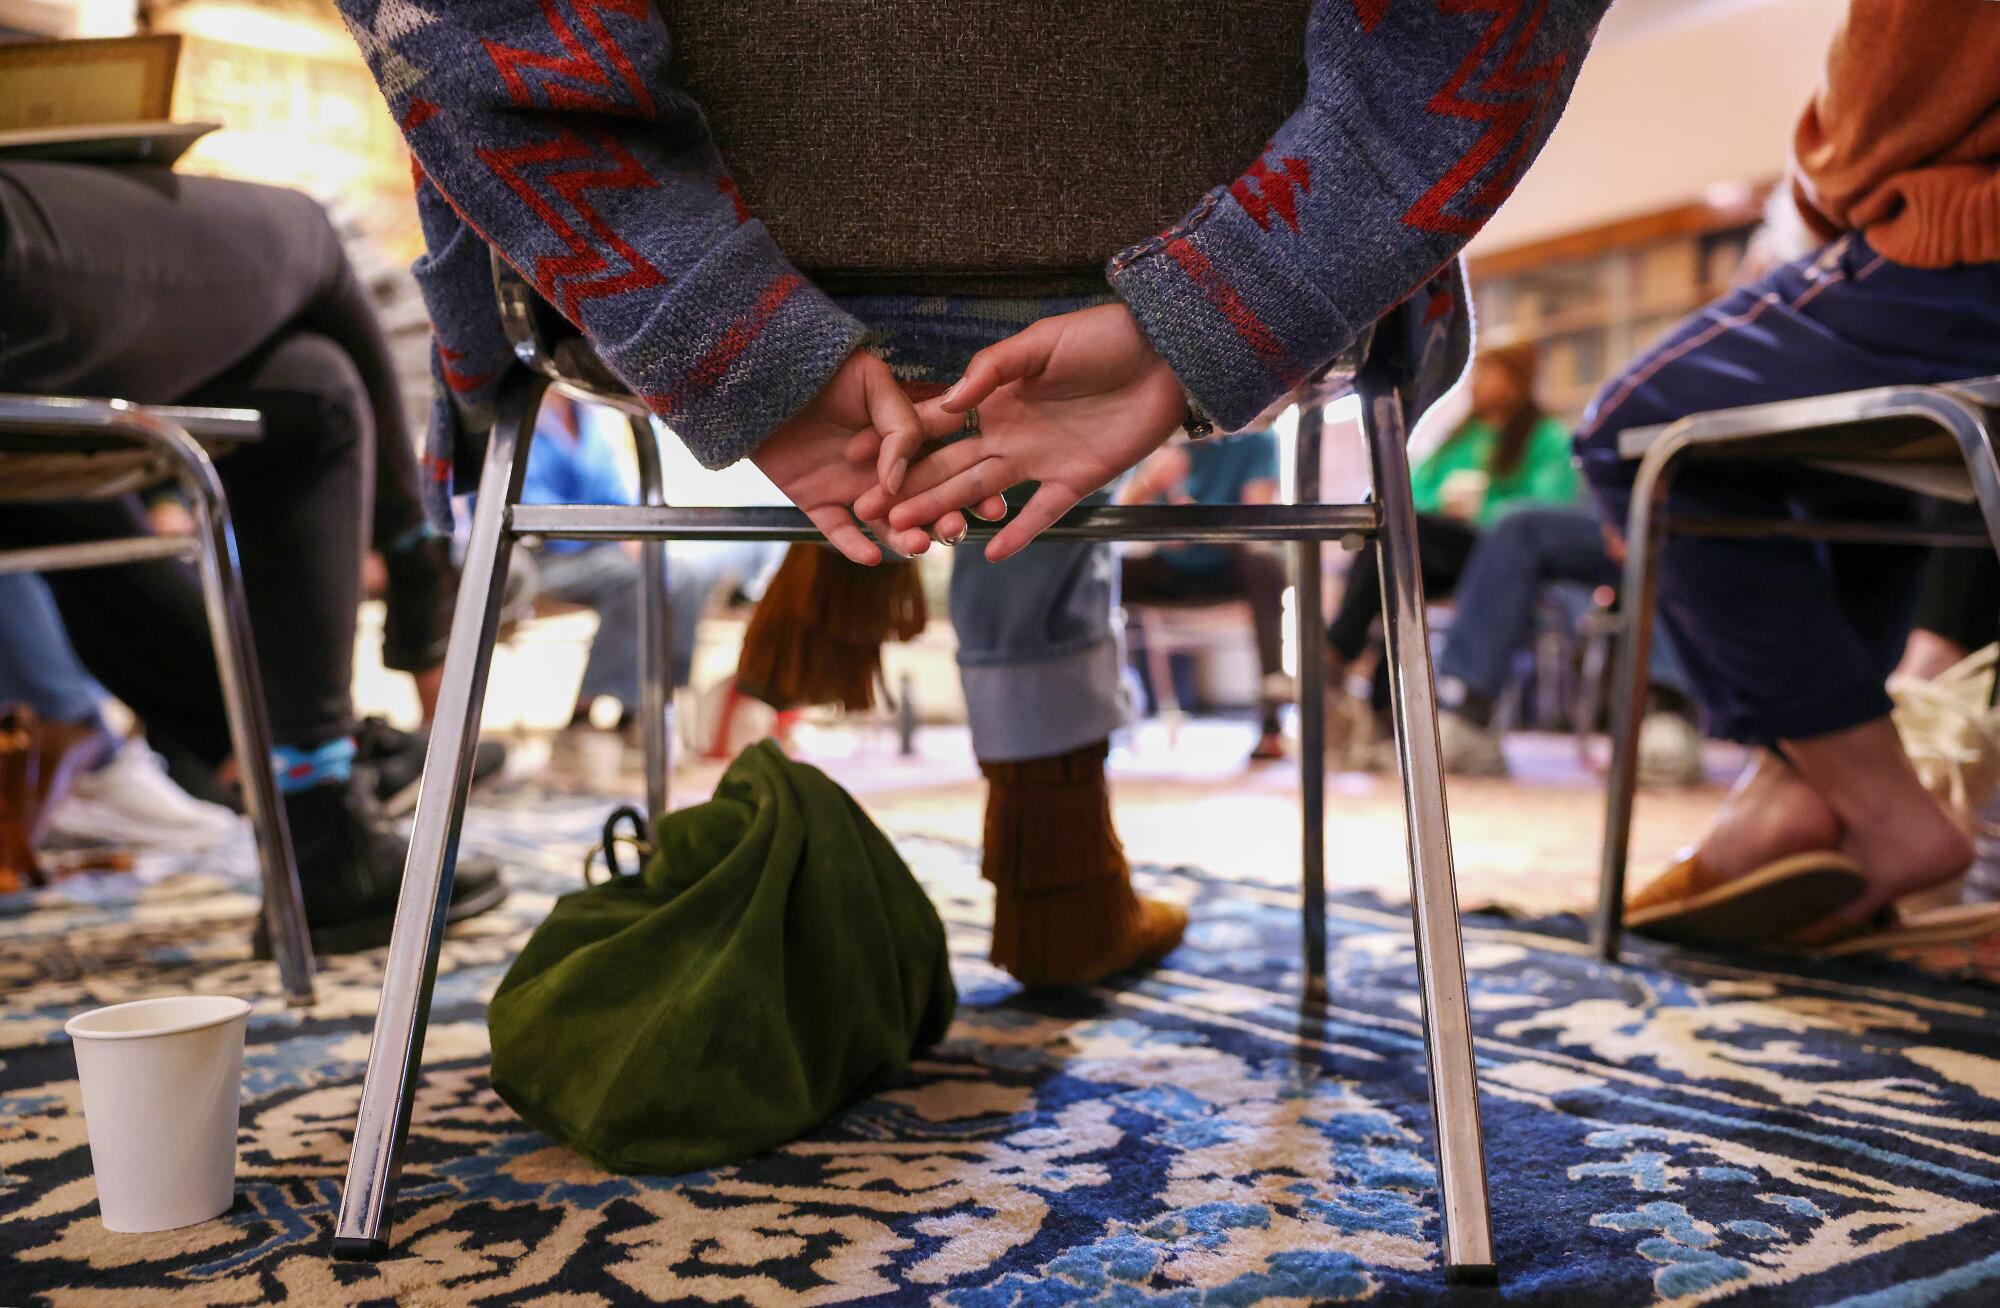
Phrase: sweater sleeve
(1418, 120)
(557, 137)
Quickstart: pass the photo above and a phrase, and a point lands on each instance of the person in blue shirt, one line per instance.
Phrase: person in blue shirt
(575, 462)
(1239, 469)
(571, 462)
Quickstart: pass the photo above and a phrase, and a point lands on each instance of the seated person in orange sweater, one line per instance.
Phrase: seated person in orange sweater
(1787, 643)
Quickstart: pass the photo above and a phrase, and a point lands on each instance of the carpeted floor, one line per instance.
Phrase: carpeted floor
(1679, 1130)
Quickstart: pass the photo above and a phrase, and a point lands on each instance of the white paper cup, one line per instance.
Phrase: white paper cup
(161, 1082)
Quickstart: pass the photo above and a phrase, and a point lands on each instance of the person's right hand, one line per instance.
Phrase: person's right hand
(823, 458)
(1072, 402)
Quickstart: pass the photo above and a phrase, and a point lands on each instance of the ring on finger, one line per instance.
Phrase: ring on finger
(971, 427)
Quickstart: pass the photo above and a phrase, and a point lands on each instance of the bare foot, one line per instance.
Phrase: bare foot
(1905, 850)
(1928, 654)
(1770, 813)
(1901, 835)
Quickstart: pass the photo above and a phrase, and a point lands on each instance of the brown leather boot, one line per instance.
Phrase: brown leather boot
(1064, 912)
(19, 764)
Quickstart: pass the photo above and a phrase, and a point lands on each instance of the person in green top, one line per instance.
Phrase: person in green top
(1506, 453)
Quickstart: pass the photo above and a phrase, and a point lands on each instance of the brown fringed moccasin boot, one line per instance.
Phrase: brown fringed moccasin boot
(19, 868)
(1064, 912)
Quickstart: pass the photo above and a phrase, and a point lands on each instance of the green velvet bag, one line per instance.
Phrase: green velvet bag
(773, 962)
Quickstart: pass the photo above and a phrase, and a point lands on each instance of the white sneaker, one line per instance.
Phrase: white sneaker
(1469, 749)
(1670, 751)
(1350, 734)
(131, 801)
(1277, 688)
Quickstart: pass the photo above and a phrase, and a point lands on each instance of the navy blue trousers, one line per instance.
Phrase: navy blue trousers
(1787, 640)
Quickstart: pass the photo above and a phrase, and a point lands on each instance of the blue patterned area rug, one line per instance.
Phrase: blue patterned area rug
(1676, 1131)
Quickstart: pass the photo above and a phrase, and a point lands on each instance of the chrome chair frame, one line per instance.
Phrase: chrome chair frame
(499, 519)
(1848, 433)
(83, 448)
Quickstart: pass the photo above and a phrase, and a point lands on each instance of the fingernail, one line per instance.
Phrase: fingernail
(954, 538)
(951, 394)
(897, 471)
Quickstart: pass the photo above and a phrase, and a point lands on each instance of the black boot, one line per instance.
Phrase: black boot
(397, 760)
(350, 864)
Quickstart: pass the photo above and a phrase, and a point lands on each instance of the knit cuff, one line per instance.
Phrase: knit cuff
(1236, 319)
(738, 346)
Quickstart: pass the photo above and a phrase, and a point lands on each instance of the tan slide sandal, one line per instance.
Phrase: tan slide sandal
(1691, 904)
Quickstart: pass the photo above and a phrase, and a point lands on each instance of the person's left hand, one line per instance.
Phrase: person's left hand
(1071, 402)
(822, 458)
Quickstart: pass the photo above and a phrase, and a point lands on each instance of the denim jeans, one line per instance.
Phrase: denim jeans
(604, 579)
(1519, 554)
(1789, 639)
(1037, 652)
(37, 666)
(694, 570)
(1037, 647)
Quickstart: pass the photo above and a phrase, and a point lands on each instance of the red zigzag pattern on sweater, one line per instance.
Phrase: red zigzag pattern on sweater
(576, 63)
(583, 273)
(1513, 117)
(1264, 190)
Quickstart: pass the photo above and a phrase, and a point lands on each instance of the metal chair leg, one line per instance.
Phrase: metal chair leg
(243, 701)
(1969, 427)
(1589, 703)
(395, 1052)
(1468, 1231)
(1645, 530)
(656, 633)
(1310, 615)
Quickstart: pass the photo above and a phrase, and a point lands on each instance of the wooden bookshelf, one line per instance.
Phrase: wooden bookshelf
(1592, 299)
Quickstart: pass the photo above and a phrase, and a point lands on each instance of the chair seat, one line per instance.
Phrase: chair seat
(45, 456)
(1857, 434)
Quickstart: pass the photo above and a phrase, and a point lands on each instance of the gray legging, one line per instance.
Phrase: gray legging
(137, 283)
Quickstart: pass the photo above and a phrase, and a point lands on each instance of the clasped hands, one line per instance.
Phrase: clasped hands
(1070, 402)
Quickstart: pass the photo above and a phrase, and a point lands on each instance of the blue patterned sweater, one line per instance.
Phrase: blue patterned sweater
(548, 130)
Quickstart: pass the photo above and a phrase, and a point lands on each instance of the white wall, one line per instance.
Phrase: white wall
(1679, 95)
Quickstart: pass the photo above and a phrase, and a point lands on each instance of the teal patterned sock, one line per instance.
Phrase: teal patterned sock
(299, 769)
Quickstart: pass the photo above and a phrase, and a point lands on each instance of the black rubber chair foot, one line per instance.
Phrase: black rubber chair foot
(359, 1249)
(1472, 1274)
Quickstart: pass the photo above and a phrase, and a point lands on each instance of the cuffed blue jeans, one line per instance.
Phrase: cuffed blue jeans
(1037, 652)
